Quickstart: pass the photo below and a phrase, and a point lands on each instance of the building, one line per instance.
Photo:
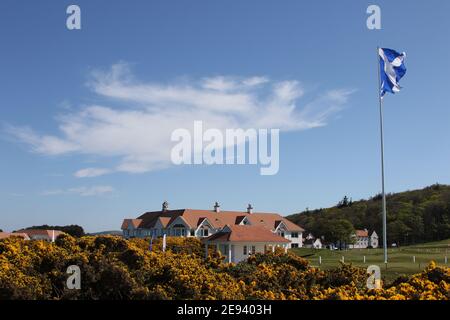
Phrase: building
(238, 242)
(363, 241)
(374, 240)
(38, 234)
(4, 235)
(205, 223)
(312, 242)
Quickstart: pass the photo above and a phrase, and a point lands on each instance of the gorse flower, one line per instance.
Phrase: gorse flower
(114, 268)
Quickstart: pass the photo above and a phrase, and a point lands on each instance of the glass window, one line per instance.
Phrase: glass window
(245, 250)
(294, 235)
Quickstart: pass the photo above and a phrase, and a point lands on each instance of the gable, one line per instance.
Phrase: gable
(177, 222)
(204, 222)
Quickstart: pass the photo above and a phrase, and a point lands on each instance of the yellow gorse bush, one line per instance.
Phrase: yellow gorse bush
(114, 268)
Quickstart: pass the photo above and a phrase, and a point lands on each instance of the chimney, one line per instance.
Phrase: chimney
(216, 207)
(249, 208)
(165, 206)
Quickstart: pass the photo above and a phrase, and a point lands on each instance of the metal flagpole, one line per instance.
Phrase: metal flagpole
(383, 194)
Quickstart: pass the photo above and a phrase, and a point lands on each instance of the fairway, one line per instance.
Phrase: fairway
(400, 260)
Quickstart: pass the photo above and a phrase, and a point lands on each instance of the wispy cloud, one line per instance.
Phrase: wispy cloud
(136, 131)
(91, 172)
(81, 191)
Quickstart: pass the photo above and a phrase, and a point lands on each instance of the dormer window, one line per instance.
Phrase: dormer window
(243, 221)
(204, 232)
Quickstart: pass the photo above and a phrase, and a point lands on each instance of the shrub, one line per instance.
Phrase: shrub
(114, 268)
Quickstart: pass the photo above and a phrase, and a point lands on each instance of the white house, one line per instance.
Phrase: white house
(312, 242)
(204, 223)
(363, 241)
(238, 242)
(39, 234)
(4, 235)
(374, 240)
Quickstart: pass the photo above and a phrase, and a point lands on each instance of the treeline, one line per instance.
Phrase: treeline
(114, 268)
(412, 217)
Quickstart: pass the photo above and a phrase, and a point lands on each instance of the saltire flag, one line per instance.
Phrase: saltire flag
(392, 69)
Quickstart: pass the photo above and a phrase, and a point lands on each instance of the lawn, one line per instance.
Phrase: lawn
(400, 260)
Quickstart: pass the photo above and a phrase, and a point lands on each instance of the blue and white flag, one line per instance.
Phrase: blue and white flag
(392, 69)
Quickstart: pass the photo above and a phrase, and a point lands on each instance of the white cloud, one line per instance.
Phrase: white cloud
(136, 131)
(222, 83)
(81, 191)
(44, 144)
(91, 172)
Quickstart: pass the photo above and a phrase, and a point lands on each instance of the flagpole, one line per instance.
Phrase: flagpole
(383, 194)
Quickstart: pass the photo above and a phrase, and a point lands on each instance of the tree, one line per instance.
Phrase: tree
(338, 231)
(344, 202)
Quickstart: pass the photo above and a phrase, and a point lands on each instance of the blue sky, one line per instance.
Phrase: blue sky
(58, 88)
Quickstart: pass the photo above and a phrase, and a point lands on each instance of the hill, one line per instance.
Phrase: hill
(106, 233)
(413, 217)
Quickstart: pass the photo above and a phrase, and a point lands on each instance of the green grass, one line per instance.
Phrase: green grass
(400, 260)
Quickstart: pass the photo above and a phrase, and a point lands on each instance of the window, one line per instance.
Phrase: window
(294, 245)
(245, 250)
(179, 232)
(281, 233)
(294, 235)
(192, 233)
(253, 249)
(204, 232)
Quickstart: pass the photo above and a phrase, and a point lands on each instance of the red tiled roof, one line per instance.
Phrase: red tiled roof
(40, 232)
(362, 233)
(134, 222)
(4, 235)
(248, 233)
(217, 219)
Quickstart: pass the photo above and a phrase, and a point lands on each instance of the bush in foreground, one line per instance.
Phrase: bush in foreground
(114, 268)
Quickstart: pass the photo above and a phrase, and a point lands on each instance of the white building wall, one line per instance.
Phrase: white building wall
(237, 250)
(237, 254)
(361, 243)
(40, 237)
(298, 241)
